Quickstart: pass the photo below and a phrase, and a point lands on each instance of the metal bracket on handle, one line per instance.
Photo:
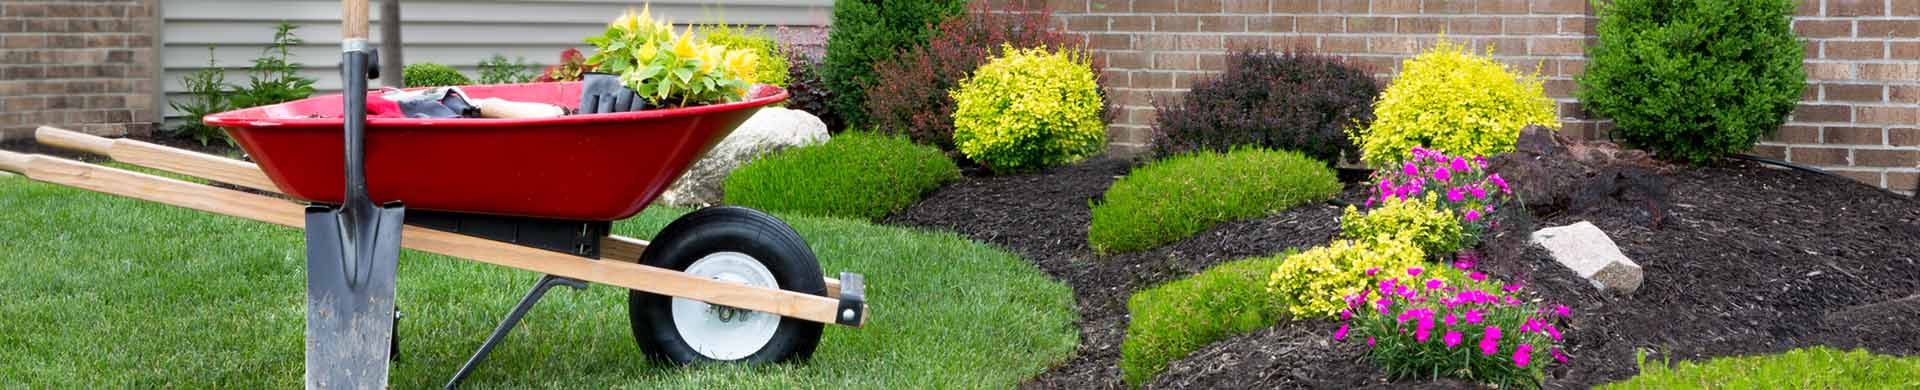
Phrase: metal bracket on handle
(512, 320)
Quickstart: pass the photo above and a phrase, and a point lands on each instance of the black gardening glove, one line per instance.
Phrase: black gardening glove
(602, 93)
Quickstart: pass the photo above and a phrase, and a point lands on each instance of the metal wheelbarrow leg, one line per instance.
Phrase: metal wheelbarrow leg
(352, 251)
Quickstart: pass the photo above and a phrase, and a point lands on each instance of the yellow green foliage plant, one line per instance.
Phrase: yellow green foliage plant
(1029, 109)
(772, 68)
(1451, 100)
(1316, 283)
(668, 68)
(1433, 229)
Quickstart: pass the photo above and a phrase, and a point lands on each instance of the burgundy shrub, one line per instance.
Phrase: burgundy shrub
(910, 96)
(1294, 101)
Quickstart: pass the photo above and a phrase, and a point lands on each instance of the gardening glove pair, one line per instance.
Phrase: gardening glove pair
(443, 102)
(602, 93)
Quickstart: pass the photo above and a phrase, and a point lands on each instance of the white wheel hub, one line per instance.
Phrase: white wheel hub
(720, 332)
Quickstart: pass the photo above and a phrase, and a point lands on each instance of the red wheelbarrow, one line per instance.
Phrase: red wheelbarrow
(720, 284)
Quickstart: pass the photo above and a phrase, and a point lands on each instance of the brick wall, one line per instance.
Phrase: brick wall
(84, 66)
(1858, 117)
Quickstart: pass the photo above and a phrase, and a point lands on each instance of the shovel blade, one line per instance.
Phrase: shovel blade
(350, 299)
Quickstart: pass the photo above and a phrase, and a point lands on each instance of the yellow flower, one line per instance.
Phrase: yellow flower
(742, 63)
(646, 53)
(683, 47)
(626, 22)
(646, 16)
(713, 55)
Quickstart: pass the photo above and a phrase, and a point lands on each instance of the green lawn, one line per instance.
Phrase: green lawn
(104, 292)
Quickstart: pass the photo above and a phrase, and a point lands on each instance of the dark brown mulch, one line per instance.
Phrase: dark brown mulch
(1044, 217)
(1745, 260)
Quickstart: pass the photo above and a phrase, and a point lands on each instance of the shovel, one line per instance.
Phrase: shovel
(352, 249)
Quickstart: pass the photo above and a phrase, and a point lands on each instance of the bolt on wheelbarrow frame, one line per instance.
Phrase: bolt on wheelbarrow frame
(617, 263)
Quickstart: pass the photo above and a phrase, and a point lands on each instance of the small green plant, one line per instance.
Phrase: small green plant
(1318, 282)
(273, 79)
(1806, 368)
(671, 69)
(1453, 101)
(1174, 319)
(427, 74)
(1029, 109)
(1434, 230)
(1419, 324)
(773, 67)
(1179, 196)
(497, 70)
(1694, 81)
(854, 175)
(206, 95)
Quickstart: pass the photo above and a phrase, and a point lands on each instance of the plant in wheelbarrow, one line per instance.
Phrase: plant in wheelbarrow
(671, 69)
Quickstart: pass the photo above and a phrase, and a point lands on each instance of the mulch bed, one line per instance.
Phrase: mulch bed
(1740, 259)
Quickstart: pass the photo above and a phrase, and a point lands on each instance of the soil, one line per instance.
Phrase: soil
(1740, 259)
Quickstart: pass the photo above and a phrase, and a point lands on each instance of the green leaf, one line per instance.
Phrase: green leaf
(685, 74)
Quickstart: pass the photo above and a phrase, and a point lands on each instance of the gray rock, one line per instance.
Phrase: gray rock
(1587, 251)
(769, 130)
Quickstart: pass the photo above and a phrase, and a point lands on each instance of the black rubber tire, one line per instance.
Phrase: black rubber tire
(736, 229)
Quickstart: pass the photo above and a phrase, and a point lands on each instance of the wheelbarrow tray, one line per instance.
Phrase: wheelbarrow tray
(596, 167)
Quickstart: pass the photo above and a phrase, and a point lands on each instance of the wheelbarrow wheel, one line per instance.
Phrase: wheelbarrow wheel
(738, 245)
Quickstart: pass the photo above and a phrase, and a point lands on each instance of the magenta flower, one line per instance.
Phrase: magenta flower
(1511, 287)
(1488, 347)
(1493, 333)
(1522, 355)
(1452, 339)
(1450, 319)
(1346, 315)
(1382, 305)
(1340, 334)
(1442, 174)
(1368, 203)
(1481, 161)
(1553, 332)
(1479, 193)
(1472, 316)
(1433, 284)
(1410, 169)
(1456, 195)
(1472, 215)
(1557, 356)
(1415, 271)
(1562, 310)
(1502, 183)
(1374, 270)
(1477, 276)
(1459, 164)
(1369, 341)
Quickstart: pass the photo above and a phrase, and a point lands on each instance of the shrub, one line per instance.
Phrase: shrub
(1174, 319)
(916, 82)
(572, 67)
(1808, 368)
(854, 175)
(1434, 230)
(1694, 80)
(497, 70)
(1029, 109)
(1461, 186)
(1316, 283)
(1293, 101)
(1182, 195)
(1453, 101)
(427, 74)
(772, 68)
(273, 79)
(1419, 326)
(807, 91)
(866, 31)
(206, 95)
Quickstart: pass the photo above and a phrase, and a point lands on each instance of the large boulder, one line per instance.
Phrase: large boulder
(1588, 252)
(769, 130)
(1553, 174)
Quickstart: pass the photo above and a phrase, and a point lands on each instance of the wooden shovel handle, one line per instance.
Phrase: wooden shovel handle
(354, 21)
(13, 162)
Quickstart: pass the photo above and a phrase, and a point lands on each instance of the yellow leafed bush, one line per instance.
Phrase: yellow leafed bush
(1317, 282)
(1454, 101)
(1028, 109)
(1434, 230)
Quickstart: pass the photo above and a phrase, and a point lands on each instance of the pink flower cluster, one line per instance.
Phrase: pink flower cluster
(1464, 184)
(1419, 323)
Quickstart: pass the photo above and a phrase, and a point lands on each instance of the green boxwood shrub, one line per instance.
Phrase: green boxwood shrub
(1809, 368)
(427, 74)
(1174, 319)
(1029, 109)
(866, 31)
(1694, 81)
(855, 175)
(1182, 195)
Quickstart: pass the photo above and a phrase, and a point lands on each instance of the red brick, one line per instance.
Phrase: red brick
(1212, 62)
(1268, 23)
(1130, 23)
(1369, 24)
(1217, 23)
(1501, 6)
(1176, 23)
(1906, 8)
(1891, 72)
(1770, 151)
(1067, 6)
(1807, 8)
(1247, 42)
(1109, 6)
(1126, 60)
(1851, 136)
(1174, 61)
(1823, 28)
(1557, 46)
(1871, 178)
(1822, 113)
(1902, 158)
(1869, 93)
(1395, 6)
(1830, 71)
(1296, 6)
(1569, 68)
(1525, 26)
(1905, 49)
(1343, 44)
(1295, 42)
(1903, 136)
(1343, 6)
(1578, 25)
(1202, 42)
(1396, 45)
(1560, 7)
(1886, 115)
(24, 10)
(1200, 6)
(1447, 6)
(1421, 25)
(1890, 29)
(1854, 50)
(1856, 7)
(1152, 79)
(1818, 156)
(1086, 23)
(1909, 94)
(1246, 6)
(1473, 25)
(1110, 41)
(1903, 181)
(1501, 46)
(1796, 135)
(1557, 88)
(1157, 6)
(1319, 24)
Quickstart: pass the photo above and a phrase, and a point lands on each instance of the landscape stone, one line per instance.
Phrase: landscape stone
(1588, 251)
(769, 130)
